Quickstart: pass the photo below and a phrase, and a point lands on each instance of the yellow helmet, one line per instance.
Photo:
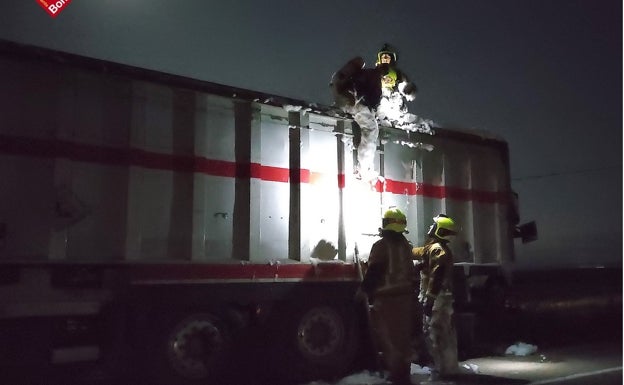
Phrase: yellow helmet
(394, 220)
(443, 227)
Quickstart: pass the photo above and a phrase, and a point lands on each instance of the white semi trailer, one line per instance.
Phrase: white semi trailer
(151, 219)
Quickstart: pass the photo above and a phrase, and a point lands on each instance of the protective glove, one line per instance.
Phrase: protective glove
(428, 306)
(408, 90)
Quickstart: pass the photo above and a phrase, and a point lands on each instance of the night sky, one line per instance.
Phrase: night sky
(544, 75)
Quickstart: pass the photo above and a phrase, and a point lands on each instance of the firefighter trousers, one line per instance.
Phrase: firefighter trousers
(441, 336)
(392, 323)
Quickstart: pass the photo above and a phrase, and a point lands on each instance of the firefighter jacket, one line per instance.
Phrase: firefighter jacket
(390, 267)
(436, 269)
(393, 80)
(353, 84)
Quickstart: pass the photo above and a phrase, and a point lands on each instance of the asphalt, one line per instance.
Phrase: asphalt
(573, 317)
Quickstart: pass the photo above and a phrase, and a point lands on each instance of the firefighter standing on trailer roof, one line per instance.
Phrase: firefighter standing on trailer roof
(357, 91)
(373, 95)
(389, 285)
(436, 296)
(396, 90)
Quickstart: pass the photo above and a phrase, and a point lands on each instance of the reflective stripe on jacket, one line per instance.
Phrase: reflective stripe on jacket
(436, 269)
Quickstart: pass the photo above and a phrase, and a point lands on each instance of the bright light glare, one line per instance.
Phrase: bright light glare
(364, 215)
(519, 367)
(515, 366)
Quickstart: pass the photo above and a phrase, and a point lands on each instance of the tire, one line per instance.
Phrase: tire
(320, 342)
(189, 349)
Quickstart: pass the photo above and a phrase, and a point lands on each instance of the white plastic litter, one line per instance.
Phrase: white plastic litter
(473, 368)
(363, 378)
(521, 349)
(417, 369)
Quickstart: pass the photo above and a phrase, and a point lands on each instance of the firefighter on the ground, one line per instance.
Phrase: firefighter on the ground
(436, 296)
(389, 286)
(366, 92)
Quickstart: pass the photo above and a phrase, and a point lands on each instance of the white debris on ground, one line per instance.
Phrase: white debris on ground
(521, 349)
(471, 368)
(362, 378)
(417, 369)
(372, 378)
(368, 377)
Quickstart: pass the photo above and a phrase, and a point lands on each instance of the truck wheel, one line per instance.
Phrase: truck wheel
(320, 334)
(321, 342)
(190, 349)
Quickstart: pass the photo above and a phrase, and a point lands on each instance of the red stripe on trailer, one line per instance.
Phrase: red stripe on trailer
(217, 168)
(274, 174)
(397, 187)
(244, 271)
(186, 163)
(341, 180)
(83, 152)
(440, 192)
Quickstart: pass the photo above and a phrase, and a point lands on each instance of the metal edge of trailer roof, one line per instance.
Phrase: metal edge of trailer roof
(34, 53)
